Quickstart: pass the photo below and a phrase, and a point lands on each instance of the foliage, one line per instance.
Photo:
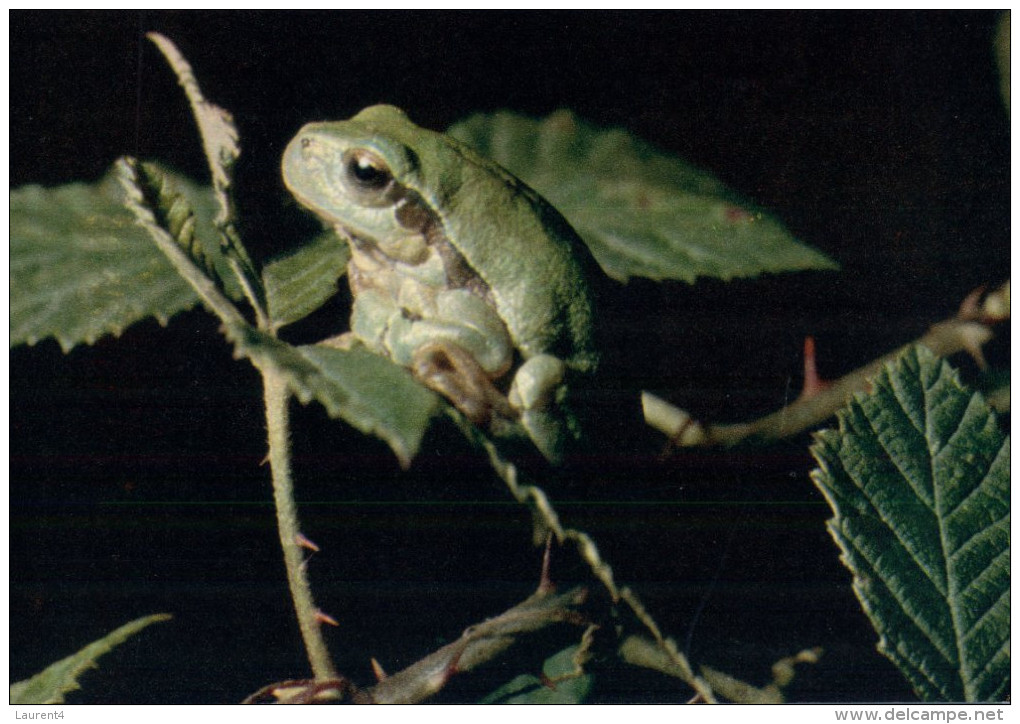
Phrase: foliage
(642, 213)
(302, 280)
(81, 268)
(369, 392)
(918, 479)
(133, 280)
(917, 475)
(562, 682)
(53, 683)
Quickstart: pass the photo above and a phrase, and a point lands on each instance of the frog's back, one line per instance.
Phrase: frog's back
(531, 259)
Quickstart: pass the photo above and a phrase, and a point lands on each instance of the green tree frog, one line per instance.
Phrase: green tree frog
(459, 271)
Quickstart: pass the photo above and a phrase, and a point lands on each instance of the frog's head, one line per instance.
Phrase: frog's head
(357, 174)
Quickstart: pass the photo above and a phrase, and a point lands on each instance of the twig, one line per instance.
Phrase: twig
(541, 505)
(220, 142)
(772, 693)
(638, 651)
(967, 331)
(478, 645)
(309, 619)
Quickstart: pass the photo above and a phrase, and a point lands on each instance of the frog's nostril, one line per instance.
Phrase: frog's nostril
(306, 142)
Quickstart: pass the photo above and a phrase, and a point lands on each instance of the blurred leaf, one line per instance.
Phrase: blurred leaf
(918, 478)
(1002, 56)
(51, 684)
(302, 281)
(366, 390)
(530, 689)
(81, 268)
(641, 212)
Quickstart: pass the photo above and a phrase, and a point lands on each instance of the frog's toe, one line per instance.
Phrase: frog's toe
(455, 374)
(536, 382)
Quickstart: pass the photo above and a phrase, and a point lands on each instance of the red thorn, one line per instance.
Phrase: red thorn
(304, 542)
(545, 584)
(378, 670)
(325, 618)
(813, 384)
(735, 214)
(453, 668)
(546, 681)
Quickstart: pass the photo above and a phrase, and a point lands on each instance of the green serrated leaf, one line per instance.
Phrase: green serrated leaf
(641, 212)
(81, 268)
(570, 687)
(918, 478)
(300, 282)
(367, 391)
(51, 684)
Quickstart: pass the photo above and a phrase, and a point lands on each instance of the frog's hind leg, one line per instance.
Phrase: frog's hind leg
(455, 374)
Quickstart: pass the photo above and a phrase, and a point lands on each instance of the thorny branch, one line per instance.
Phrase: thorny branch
(548, 522)
(220, 143)
(310, 619)
(639, 651)
(478, 645)
(967, 331)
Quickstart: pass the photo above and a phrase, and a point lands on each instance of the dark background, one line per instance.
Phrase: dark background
(136, 476)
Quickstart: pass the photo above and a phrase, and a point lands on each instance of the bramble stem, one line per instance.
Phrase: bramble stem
(536, 498)
(221, 145)
(277, 398)
(220, 142)
(966, 332)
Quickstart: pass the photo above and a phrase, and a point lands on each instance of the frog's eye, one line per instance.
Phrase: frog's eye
(367, 175)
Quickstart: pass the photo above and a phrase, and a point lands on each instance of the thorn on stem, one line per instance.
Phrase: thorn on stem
(325, 618)
(454, 666)
(305, 542)
(813, 384)
(545, 584)
(378, 670)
